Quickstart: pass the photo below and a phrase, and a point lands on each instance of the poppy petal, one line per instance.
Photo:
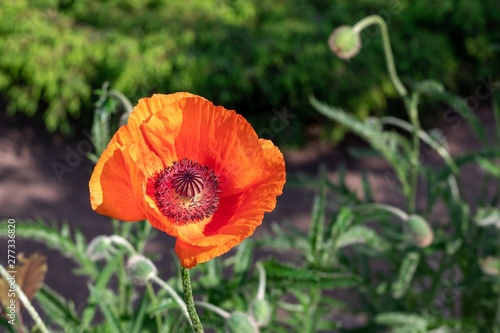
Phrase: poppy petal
(222, 140)
(160, 131)
(111, 191)
(146, 107)
(191, 255)
(239, 215)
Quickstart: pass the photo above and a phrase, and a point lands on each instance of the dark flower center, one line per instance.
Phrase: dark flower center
(186, 192)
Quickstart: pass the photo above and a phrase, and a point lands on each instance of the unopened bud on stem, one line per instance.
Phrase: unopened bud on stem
(100, 248)
(419, 231)
(345, 42)
(141, 269)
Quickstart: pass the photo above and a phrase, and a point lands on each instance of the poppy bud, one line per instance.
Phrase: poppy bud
(140, 269)
(261, 311)
(490, 266)
(344, 42)
(239, 322)
(419, 231)
(100, 248)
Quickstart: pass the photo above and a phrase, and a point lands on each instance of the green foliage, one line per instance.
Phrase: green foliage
(448, 282)
(63, 311)
(402, 322)
(57, 238)
(406, 273)
(253, 56)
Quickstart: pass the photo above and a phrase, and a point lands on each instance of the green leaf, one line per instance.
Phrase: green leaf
(318, 219)
(460, 106)
(337, 226)
(100, 286)
(405, 277)
(367, 190)
(58, 309)
(425, 137)
(394, 147)
(290, 276)
(411, 322)
(489, 166)
(56, 238)
(429, 87)
(488, 216)
(111, 318)
(361, 235)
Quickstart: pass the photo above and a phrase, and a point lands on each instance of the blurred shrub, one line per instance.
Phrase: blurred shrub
(254, 56)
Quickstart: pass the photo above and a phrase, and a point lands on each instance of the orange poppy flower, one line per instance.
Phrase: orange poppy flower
(196, 171)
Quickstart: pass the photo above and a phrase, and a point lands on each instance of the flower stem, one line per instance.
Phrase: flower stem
(26, 302)
(389, 58)
(388, 208)
(174, 295)
(188, 297)
(154, 302)
(221, 312)
(415, 156)
(262, 282)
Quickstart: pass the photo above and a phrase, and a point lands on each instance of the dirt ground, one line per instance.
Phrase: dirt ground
(31, 187)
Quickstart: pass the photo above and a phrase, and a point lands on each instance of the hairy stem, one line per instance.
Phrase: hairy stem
(389, 58)
(188, 297)
(415, 156)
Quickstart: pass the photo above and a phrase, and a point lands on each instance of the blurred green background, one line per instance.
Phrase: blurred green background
(258, 57)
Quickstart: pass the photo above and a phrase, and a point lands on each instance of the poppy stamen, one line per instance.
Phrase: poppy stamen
(186, 191)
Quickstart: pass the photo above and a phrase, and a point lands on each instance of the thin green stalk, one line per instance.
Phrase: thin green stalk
(26, 302)
(175, 296)
(415, 156)
(188, 297)
(154, 302)
(437, 146)
(261, 291)
(388, 208)
(221, 312)
(144, 237)
(122, 295)
(389, 58)
(410, 104)
(126, 105)
(310, 319)
(123, 242)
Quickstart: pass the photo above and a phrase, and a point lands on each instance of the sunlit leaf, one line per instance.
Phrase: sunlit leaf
(488, 216)
(405, 276)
